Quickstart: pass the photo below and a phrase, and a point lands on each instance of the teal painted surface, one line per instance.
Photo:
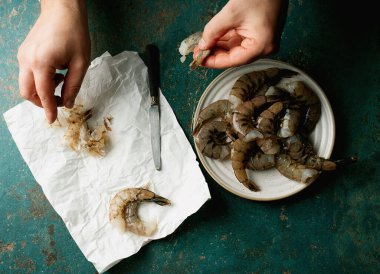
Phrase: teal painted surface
(331, 227)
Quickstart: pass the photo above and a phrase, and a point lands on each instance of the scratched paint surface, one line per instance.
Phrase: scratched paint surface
(332, 226)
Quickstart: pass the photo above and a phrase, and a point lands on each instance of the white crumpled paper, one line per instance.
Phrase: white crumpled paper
(79, 186)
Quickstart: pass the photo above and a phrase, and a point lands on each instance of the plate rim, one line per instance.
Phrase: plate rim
(230, 70)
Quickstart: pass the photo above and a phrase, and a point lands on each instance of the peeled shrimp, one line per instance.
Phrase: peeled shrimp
(239, 157)
(212, 140)
(123, 210)
(216, 109)
(187, 46)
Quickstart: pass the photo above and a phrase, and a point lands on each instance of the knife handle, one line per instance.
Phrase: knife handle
(153, 60)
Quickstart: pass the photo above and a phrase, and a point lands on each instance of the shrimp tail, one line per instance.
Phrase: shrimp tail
(346, 161)
(160, 200)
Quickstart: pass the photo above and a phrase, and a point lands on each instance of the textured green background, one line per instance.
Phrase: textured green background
(331, 227)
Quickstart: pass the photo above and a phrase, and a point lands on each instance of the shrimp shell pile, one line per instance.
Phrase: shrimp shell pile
(265, 123)
(80, 136)
(124, 206)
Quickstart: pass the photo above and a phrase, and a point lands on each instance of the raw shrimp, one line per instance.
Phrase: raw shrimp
(187, 46)
(294, 170)
(247, 85)
(301, 150)
(299, 91)
(319, 163)
(199, 59)
(212, 140)
(243, 121)
(216, 109)
(266, 124)
(289, 122)
(295, 147)
(123, 210)
(266, 119)
(261, 161)
(269, 145)
(239, 157)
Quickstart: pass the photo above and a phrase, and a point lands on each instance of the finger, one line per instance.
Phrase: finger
(216, 28)
(72, 83)
(234, 41)
(27, 87)
(246, 52)
(229, 40)
(45, 86)
(229, 35)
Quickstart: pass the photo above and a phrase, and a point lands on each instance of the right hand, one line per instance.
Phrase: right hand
(58, 40)
(242, 31)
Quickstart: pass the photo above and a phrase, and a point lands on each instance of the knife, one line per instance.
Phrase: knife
(153, 60)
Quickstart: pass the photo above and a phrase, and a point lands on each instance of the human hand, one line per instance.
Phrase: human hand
(242, 31)
(58, 40)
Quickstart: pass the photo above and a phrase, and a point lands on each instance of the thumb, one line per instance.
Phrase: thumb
(216, 28)
(72, 83)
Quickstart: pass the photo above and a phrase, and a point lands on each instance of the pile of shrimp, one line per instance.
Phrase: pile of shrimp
(265, 123)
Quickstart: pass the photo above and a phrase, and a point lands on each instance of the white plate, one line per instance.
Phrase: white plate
(273, 185)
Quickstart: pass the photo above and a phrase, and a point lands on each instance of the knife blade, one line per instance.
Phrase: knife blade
(153, 61)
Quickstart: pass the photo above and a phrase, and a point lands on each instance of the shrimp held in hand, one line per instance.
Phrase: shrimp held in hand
(123, 210)
(187, 46)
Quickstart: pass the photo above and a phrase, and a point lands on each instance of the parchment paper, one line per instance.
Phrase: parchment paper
(79, 186)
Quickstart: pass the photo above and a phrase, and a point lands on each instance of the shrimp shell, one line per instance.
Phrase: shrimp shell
(123, 210)
(199, 59)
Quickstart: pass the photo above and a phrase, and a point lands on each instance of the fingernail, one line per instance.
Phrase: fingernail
(202, 44)
(50, 119)
(69, 104)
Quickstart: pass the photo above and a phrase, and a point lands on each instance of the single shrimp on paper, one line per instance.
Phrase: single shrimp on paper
(123, 210)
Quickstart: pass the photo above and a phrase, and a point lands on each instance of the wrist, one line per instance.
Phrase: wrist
(72, 5)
